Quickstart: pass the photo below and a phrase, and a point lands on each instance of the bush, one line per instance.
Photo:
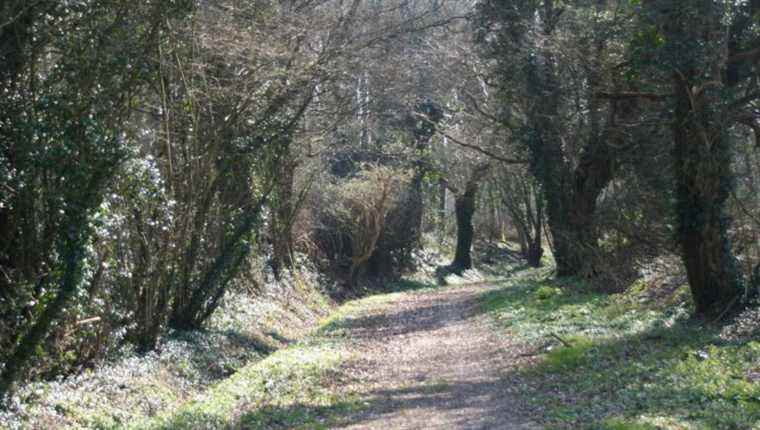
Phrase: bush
(354, 217)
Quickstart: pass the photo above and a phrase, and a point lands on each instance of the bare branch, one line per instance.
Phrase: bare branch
(482, 150)
(633, 95)
(479, 110)
(751, 55)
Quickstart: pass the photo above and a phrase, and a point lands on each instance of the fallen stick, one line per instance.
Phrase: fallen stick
(564, 342)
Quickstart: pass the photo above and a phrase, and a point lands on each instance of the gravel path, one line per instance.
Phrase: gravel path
(430, 360)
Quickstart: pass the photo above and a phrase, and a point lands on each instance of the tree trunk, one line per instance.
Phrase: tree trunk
(465, 208)
(535, 252)
(535, 247)
(575, 235)
(571, 194)
(72, 259)
(702, 148)
(416, 205)
(282, 221)
(464, 204)
(703, 181)
(522, 237)
(549, 165)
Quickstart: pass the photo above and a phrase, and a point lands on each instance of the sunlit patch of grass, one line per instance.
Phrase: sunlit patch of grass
(625, 360)
(286, 387)
(546, 292)
(621, 424)
(571, 356)
(405, 285)
(291, 388)
(338, 323)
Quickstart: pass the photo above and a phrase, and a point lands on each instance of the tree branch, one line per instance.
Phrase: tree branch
(450, 187)
(482, 150)
(479, 110)
(752, 54)
(632, 95)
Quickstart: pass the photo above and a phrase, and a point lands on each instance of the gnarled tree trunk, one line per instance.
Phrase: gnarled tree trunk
(465, 208)
(702, 148)
(703, 180)
(464, 203)
(575, 235)
(571, 192)
(535, 247)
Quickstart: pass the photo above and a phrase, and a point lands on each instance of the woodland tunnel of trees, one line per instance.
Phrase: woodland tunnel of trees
(155, 153)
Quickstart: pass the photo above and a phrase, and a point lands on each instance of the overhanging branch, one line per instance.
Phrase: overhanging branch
(470, 146)
(751, 55)
(633, 95)
(482, 150)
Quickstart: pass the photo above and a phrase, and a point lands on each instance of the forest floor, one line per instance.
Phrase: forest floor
(129, 387)
(513, 348)
(522, 351)
(423, 358)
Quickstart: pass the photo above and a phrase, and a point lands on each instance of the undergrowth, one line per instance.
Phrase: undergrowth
(132, 387)
(294, 388)
(622, 362)
(284, 390)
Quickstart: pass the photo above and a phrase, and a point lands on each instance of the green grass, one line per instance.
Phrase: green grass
(132, 388)
(580, 349)
(286, 389)
(619, 424)
(628, 364)
(294, 388)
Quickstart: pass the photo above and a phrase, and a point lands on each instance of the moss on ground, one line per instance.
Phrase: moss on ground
(617, 362)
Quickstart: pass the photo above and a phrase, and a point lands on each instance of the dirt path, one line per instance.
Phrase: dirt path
(430, 360)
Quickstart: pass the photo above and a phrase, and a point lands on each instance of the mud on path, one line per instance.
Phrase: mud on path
(431, 360)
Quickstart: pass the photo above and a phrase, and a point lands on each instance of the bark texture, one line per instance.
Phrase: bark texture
(464, 203)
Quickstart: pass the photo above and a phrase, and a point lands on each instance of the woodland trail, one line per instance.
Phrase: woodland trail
(432, 360)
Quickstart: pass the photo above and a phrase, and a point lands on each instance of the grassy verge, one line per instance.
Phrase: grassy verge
(285, 390)
(294, 388)
(132, 388)
(621, 362)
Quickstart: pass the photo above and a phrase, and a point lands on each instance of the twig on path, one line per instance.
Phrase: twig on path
(532, 353)
(564, 342)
